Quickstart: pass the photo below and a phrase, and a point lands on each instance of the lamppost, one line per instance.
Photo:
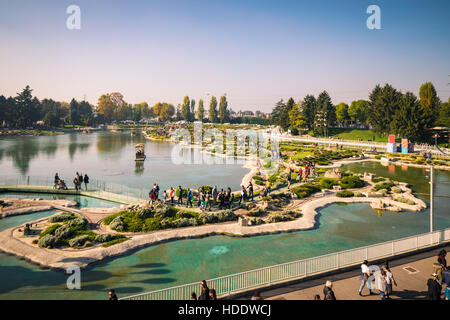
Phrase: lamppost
(431, 197)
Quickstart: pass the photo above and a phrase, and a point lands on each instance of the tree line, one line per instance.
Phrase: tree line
(388, 110)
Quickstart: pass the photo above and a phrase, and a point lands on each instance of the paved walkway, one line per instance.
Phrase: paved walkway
(411, 285)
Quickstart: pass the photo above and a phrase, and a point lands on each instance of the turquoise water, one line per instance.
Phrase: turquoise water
(340, 227)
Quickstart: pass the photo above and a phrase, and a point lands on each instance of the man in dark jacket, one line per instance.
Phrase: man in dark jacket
(328, 293)
(434, 288)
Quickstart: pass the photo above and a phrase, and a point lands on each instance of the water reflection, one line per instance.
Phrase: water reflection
(22, 152)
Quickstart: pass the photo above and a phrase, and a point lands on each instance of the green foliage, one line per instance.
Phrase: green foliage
(47, 241)
(328, 183)
(384, 102)
(273, 218)
(384, 185)
(49, 230)
(351, 182)
(378, 179)
(62, 217)
(77, 222)
(78, 241)
(345, 194)
(305, 190)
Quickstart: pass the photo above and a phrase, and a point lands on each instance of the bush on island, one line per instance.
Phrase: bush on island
(117, 224)
(62, 217)
(104, 237)
(183, 214)
(47, 241)
(78, 241)
(77, 223)
(351, 182)
(50, 230)
(63, 232)
(345, 194)
(278, 218)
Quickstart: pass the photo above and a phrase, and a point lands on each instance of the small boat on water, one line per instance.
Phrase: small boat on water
(140, 152)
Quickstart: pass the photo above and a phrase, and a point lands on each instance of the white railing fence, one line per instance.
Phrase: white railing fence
(298, 269)
(94, 185)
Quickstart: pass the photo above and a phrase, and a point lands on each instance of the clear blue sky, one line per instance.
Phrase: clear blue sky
(254, 51)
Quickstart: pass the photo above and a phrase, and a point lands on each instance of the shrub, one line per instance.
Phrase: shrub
(396, 189)
(49, 230)
(255, 212)
(78, 241)
(378, 179)
(63, 232)
(328, 183)
(161, 211)
(62, 217)
(117, 224)
(305, 190)
(206, 188)
(184, 222)
(345, 194)
(144, 213)
(167, 223)
(105, 237)
(47, 241)
(183, 214)
(351, 182)
(278, 218)
(77, 223)
(384, 185)
(359, 194)
(255, 221)
(206, 217)
(404, 200)
(225, 215)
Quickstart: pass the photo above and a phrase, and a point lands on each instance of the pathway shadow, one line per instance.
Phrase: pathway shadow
(129, 290)
(93, 287)
(410, 294)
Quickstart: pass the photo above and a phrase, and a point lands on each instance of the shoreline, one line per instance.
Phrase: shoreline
(63, 258)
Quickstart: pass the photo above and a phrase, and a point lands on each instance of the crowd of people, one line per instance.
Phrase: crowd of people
(203, 198)
(79, 179)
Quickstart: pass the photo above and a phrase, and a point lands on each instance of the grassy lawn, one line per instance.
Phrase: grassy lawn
(356, 134)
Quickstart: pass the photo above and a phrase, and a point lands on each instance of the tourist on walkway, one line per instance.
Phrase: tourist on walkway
(204, 295)
(171, 194)
(112, 295)
(389, 280)
(300, 172)
(267, 187)
(212, 294)
(441, 259)
(152, 196)
(56, 180)
(75, 183)
(243, 195)
(365, 275)
(257, 296)
(317, 297)
(250, 190)
(180, 195)
(328, 290)
(165, 196)
(193, 296)
(434, 288)
(188, 198)
(208, 201)
(382, 284)
(199, 197)
(86, 181)
(214, 195)
(288, 179)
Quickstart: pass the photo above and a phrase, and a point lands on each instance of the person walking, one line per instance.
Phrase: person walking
(86, 181)
(434, 288)
(180, 195)
(208, 201)
(288, 179)
(365, 275)
(188, 198)
(204, 295)
(328, 291)
(75, 183)
(112, 295)
(267, 187)
(300, 172)
(56, 180)
(389, 280)
(171, 194)
(250, 190)
(382, 284)
(212, 294)
(214, 195)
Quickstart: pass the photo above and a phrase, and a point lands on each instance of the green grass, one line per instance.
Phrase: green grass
(113, 242)
(356, 134)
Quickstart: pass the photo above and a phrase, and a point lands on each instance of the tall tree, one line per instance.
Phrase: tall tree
(106, 107)
(192, 114)
(280, 115)
(430, 103)
(296, 118)
(28, 108)
(383, 104)
(444, 114)
(200, 110)
(186, 109)
(74, 113)
(342, 113)
(409, 120)
(325, 114)
(357, 111)
(308, 110)
(213, 110)
(223, 110)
